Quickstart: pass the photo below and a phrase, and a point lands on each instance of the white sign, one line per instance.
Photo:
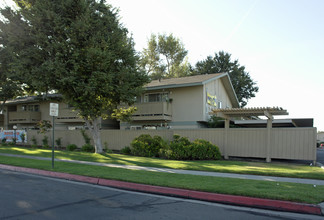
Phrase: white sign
(54, 109)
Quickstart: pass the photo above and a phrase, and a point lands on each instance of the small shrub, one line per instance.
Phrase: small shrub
(34, 146)
(4, 141)
(126, 150)
(23, 137)
(145, 145)
(13, 142)
(106, 149)
(71, 147)
(179, 148)
(182, 149)
(34, 140)
(58, 142)
(88, 148)
(204, 150)
(45, 142)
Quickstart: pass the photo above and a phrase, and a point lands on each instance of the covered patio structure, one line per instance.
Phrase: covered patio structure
(231, 113)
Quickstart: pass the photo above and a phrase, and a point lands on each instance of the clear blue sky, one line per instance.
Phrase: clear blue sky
(280, 42)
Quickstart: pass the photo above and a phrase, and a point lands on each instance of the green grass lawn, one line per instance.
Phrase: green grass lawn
(241, 167)
(262, 189)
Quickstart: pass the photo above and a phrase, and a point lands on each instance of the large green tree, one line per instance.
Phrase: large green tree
(245, 88)
(9, 86)
(165, 57)
(79, 49)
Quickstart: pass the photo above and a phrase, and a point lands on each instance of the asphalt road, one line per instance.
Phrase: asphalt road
(25, 196)
(320, 155)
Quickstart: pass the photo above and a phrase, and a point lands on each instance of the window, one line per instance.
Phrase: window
(156, 97)
(30, 108)
(219, 104)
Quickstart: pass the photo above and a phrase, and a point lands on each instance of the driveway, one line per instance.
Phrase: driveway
(320, 155)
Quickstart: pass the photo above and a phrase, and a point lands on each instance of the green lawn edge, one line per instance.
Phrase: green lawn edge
(224, 166)
(304, 193)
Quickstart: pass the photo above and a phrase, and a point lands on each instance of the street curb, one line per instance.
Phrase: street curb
(183, 193)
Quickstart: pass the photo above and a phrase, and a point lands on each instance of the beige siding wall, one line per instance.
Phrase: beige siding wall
(187, 104)
(286, 143)
(217, 88)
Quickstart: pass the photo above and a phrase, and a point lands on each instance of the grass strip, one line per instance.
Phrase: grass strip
(305, 193)
(225, 166)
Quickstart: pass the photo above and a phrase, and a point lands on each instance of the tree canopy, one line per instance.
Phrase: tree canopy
(165, 57)
(245, 88)
(77, 48)
(9, 86)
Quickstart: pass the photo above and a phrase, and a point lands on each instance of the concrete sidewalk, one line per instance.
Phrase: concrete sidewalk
(190, 172)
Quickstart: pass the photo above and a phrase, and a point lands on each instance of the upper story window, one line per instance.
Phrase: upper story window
(156, 97)
(30, 108)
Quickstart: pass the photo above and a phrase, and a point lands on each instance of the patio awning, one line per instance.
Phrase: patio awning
(246, 112)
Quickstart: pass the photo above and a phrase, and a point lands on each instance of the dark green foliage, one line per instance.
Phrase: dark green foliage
(34, 140)
(86, 138)
(77, 48)
(45, 142)
(88, 148)
(3, 141)
(216, 122)
(179, 149)
(245, 88)
(58, 142)
(126, 150)
(146, 146)
(71, 147)
(23, 137)
(12, 143)
(204, 150)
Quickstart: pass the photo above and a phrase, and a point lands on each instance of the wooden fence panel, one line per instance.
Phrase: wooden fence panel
(286, 143)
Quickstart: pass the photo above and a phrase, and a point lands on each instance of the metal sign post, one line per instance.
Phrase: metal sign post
(53, 112)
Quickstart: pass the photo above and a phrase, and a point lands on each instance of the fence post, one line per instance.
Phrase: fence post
(227, 122)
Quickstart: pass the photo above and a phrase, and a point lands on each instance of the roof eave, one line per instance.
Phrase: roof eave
(173, 86)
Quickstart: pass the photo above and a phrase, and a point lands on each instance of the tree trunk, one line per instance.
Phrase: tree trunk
(94, 127)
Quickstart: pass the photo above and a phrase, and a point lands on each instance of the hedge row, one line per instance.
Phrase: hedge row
(178, 149)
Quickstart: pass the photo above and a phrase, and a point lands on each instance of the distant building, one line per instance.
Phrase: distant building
(320, 136)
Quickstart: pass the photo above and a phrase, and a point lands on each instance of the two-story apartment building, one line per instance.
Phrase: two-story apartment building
(182, 102)
(167, 103)
(26, 112)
